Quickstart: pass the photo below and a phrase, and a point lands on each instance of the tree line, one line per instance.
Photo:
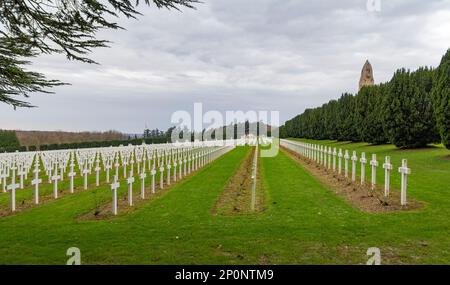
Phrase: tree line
(10, 141)
(410, 111)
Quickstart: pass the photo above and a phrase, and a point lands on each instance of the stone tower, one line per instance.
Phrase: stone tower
(366, 76)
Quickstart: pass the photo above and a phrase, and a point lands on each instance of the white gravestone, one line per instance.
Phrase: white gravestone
(363, 167)
(3, 177)
(130, 182)
(354, 160)
(108, 166)
(36, 181)
(12, 187)
(143, 175)
(61, 171)
(85, 173)
(114, 188)
(97, 173)
(189, 164)
(116, 165)
(161, 177)
(22, 175)
(322, 160)
(71, 174)
(374, 164)
(153, 173)
(340, 155)
(180, 163)
(50, 173)
(404, 171)
(125, 163)
(132, 166)
(334, 159)
(168, 173)
(55, 179)
(329, 157)
(388, 167)
(175, 164)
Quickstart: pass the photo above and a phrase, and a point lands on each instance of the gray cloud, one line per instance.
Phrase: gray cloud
(235, 55)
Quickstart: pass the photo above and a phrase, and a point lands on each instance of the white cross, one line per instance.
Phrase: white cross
(22, 174)
(55, 179)
(97, 176)
(50, 173)
(85, 173)
(189, 164)
(114, 188)
(320, 155)
(116, 165)
(61, 168)
(175, 171)
(334, 159)
(12, 187)
(36, 181)
(405, 171)
(107, 167)
(168, 173)
(340, 155)
(132, 166)
(387, 170)
(153, 172)
(3, 177)
(354, 160)
(363, 167)
(324, 156)
(329, 157)
(143, 165)
(143, 175)
(125, 163)
(374, 164)
(71, 174)
(130, 182)
(161, 176)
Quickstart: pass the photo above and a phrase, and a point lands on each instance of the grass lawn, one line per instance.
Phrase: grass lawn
(304, 223)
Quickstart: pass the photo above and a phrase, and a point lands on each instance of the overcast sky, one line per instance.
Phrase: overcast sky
(283, 55)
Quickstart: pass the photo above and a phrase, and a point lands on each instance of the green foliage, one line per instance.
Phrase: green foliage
(32, 27)
(441, 98)
(368, 114)
(9, 141)
(334, 120)
(347, 130)
(408, 114)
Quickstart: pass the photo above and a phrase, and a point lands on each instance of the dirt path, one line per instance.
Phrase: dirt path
(236, 198)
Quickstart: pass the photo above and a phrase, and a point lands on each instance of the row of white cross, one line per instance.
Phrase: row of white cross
(185, 166)
(332, 159)
(55, 164)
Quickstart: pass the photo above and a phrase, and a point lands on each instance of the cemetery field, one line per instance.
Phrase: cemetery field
(303, 222)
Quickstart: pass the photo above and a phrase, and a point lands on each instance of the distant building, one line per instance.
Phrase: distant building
(366, 76)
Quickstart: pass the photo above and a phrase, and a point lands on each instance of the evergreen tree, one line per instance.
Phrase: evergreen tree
(408, 114)
(29, 28)
(441, 99)
(346, 123)
(330, 120)
(368, 114)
